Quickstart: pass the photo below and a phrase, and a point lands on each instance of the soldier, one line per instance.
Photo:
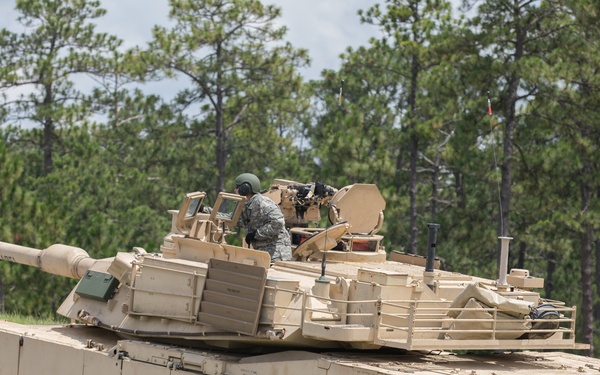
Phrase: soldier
(262, 219)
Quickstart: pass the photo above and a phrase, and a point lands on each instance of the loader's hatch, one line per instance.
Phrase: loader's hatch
(360, 205)
(323, 240)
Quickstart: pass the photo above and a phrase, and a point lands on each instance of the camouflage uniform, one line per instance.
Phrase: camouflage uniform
(263, 217)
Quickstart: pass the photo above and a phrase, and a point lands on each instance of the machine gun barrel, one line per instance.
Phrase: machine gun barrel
(62, 260)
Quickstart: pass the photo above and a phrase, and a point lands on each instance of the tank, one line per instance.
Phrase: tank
(341, 293)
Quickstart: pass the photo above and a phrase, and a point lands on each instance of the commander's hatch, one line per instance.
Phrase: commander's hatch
(192, 202)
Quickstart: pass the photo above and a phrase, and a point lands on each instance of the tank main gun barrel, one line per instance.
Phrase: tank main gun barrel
(62, 260)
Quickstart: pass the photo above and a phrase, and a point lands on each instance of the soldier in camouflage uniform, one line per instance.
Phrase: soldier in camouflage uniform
(262, 219)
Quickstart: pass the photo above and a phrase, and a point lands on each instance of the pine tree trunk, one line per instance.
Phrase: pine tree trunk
(587, 310)
(597, 274)
(1, 295)
(550, 268)
(414, 155)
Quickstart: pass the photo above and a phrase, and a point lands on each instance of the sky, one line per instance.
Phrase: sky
(324, 27)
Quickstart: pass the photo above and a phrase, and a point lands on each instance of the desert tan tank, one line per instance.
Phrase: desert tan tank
(163, 310)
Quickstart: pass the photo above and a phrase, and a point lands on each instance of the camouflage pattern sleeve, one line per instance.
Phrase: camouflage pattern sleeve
(263, 217)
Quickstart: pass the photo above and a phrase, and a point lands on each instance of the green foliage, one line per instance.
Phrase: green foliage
(396, 117)
(40, 65)
(242, 83)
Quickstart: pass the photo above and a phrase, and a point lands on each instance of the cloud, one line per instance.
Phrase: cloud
(324, 27)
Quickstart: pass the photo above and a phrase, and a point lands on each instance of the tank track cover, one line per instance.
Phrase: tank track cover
(342, 305)
(84, 350)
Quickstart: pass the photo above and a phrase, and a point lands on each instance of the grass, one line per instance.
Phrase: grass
(28, 319)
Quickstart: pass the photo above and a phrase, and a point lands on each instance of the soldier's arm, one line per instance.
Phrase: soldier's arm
(274, 224)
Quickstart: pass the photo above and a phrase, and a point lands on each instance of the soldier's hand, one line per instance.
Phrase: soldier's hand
(250, 237)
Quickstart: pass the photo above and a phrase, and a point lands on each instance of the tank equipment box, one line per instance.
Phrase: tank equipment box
(97, 285)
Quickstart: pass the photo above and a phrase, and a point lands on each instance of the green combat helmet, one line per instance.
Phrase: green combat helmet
(247, 183)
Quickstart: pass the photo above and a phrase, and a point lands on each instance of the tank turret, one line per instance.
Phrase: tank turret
(338, 291)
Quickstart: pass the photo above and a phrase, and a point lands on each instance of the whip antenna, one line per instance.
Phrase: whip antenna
(490, 113)
(340, 96)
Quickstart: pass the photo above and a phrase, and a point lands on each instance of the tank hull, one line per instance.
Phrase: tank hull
(85, 350)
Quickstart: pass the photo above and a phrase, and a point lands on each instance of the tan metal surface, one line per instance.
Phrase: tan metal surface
(412, 259)
(232, 298)
(84, 350)
(58, 259)
(180, 296)
(363, 218)
(321, 240)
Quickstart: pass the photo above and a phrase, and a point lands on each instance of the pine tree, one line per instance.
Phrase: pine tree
(241, 80)
(39, 67)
